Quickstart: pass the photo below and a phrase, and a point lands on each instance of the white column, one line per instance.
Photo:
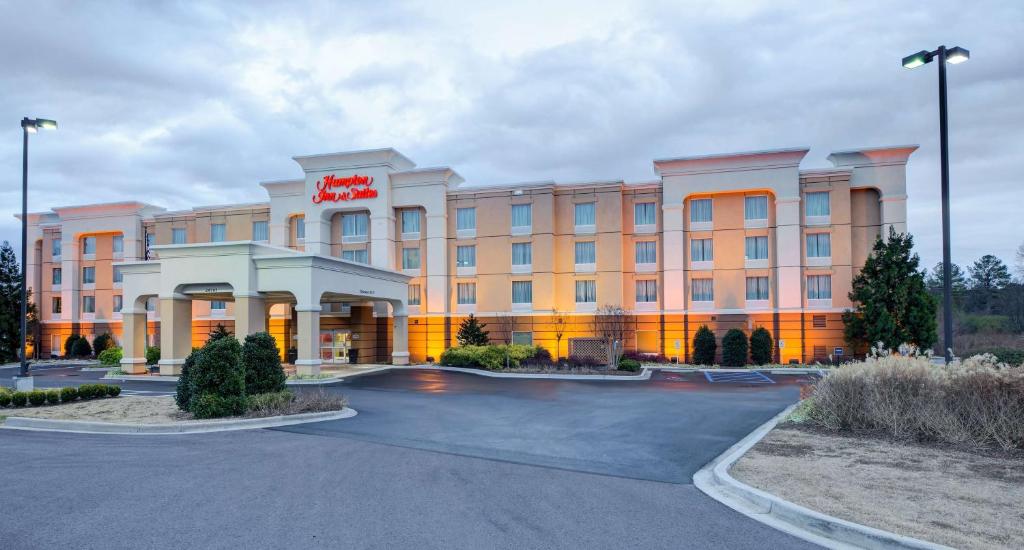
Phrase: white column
(673, 257)
(175, 333)
(894, 214)
(400, 340)
(382, 240)
(437, 263)
(250, 315)
(318, 235)
(308, 328)
(70, 269)
(133, 340)
(788, 253)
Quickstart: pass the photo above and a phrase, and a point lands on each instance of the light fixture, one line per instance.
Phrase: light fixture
(957, 55)
(917, 59)
(47, 124)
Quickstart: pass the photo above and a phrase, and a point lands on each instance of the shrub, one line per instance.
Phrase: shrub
(704, 346)
(113, 391)
(631, 365)
(52, 397)
(183, 393)
(102, 343)
(111, 356)
(760, 346)
(81, 348)
(5, 399)
(19, 398)
(582, 362)
(36, 397)
(262, 362)
(152, 355)
(472, 333)
(1010, 356)
(734, 348)
(69, 345)
(541, 358)
(269, 404)
(491, 357)
(68, 394)
(646, 357)
(278, 403)
(85, 391)
(211, 405)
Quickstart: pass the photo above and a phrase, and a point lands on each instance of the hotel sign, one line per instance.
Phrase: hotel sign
(334, 189)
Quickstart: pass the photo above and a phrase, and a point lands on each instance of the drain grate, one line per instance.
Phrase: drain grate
(746, 377)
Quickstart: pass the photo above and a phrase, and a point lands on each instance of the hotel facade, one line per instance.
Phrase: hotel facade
(367, 258)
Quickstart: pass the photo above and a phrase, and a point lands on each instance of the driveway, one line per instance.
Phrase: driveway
(433, 460)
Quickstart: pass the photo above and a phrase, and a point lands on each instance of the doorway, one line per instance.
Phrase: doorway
(335, 346)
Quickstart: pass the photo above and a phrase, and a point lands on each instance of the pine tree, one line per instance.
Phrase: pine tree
(10, 304)
(218, 332)
(472, 333)
(892, 304)
(935, 278)
(704, 346)
(989, 275)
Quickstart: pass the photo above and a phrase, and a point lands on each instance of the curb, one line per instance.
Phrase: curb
(140, 378)
(715, 481)
(191, 427)
(97, 369)
(645, 374)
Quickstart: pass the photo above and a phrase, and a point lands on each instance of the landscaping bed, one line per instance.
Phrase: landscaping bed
(935, 492)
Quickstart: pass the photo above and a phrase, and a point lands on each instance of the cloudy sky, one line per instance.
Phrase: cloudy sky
(188, 103)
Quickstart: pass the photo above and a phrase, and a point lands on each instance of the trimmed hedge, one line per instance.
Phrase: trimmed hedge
(5, 399)
(211, 405)
(704, 346)
(262, 361)
(68, 394)
(111, 356)
(19, 398)
(37, 397)
(52, 397)
(631, 365)
(81, 348)
(152, 355)
(491, 357)
(760, 346)
(734, 348)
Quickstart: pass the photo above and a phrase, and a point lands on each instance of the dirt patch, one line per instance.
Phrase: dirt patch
(931, 492)
(140, 410)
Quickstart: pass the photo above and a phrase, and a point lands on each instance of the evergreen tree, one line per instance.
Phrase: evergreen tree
(760, 346)
(989, 276)
(704, 346)
(218, 332)
(935, 279)
(892, 303)
(10, 304)
(472, 333)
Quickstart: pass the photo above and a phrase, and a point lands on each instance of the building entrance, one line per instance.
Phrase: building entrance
(335, 346)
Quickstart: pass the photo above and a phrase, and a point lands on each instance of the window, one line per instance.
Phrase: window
(819, 245)
(701, 250)
(414, 295)
(57, 276)
(88, 275)
(89, 245)
(88, 304)
(178, 235)
(118, 303)
(522, 254)
(466, 293)
(118, 244)
(644, 213)
(259, 231)
(55, 305)
(755, 208)
(700, 210)
(217, 233)
(585, 214)
(702, 290)
(355, 255)
(149, 246)
(757, 288)
(118, 277)
(465, 256)
(410, 221)
(756, 248)
(465, 219)
(55, 246)
(219, 305)
(646, 291)
(522, 215)
(586, 292)
(300, 227)
(523, 338)
(586, 252)
(817, 204)
(150, 304)
(819, 287)
(355, 226)
(411, 258)
(647, 252)
(522, 292)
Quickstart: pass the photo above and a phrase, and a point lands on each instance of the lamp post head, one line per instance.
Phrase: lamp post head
(33, 125)
(957, 55)
(917, 59)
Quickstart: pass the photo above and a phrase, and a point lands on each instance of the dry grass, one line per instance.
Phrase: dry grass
(125, 409)
(286, 402)
(940, 494)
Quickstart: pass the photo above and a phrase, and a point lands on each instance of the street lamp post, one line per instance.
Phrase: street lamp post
(28, 126)
(954, 55)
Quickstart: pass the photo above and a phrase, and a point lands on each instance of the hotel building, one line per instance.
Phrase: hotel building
(367, 258)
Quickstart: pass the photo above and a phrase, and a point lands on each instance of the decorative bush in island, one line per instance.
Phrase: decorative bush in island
(494, 357)
(734, 348)
(704, 346)
(262, 361)
(111, 357)
(760, 346)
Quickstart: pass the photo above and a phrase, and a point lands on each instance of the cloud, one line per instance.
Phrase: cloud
(182, 104)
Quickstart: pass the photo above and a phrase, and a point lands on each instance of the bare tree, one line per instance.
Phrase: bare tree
(610, 323)
(559, 321)
(504, 324)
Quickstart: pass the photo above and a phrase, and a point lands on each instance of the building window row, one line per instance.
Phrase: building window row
(701, 250)
(355, 227)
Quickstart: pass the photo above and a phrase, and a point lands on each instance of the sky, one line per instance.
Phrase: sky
(182, 104)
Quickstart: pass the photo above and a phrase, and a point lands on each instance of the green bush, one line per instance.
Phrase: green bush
(490, 357)
(52, 397)
(69, 345)
(760, 346)
(102, 343)
(81, 348)
(111, 356)
(113, 391)
(36, 397)
(262, 363)
(5, 399)
(734, 348)
(19, 398)
(704, 346)
(183, 393)
(85, 391)
(973, 323)
(211, 405)
(68, 394)
(631, 365)
(1010, 356)
(152, 355)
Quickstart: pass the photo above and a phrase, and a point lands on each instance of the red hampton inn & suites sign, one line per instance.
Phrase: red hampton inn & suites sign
(334, 189)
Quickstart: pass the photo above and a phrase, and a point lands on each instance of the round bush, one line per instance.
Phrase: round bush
(760, 346)
(262, 363)
(37, 397)
(81, 348)
(211, 405)
(85, 391)
(631, 365)
(68, 394)
(52, 397)
(111, 357)
(183, 393)
(734, 348)
(152, 355)
(5, 399)
(69, 345)
(704, 346)
(113, 391)
(218, 369)
(19, 398)
(102, 343)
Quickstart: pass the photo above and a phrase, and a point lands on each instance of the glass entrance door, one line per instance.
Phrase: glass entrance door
(334, 345)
